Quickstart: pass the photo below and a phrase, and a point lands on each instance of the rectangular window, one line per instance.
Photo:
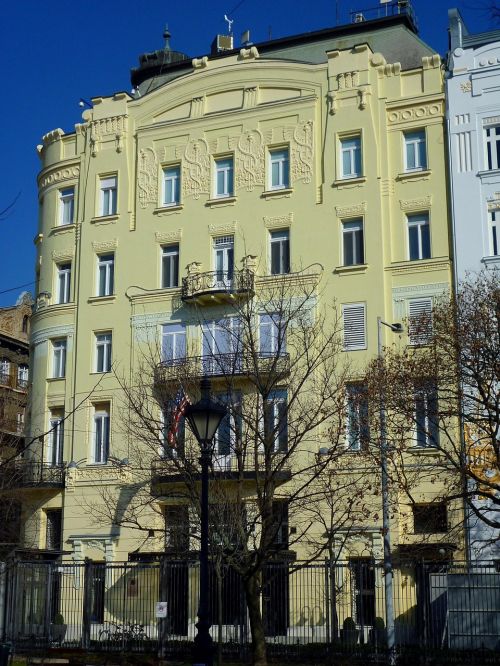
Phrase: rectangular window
(426, 415)
(280, 536)
(55, 439)
(363, 587)
(173, 345)
(59, 358)
(276, 420)
(22, 375)
(221, 346)
(492, 147)
(103, 343)
(100, 451)
(224, 260)
(173, 428)
(63, 283)
(494, 233)
(171, 185)
(350, 157)
(419, 237)
(415, 151)
(280, 252)
(53, 530)
(430, 518)
(419, 320)
(108, 188)
(223, 186)
(105, 274)
(354, 316)
(279, 169)
(357, 425)
(352, 242)
(177, 528)
(170, 266)
(272, 335)
(228, 434)
(67, 206)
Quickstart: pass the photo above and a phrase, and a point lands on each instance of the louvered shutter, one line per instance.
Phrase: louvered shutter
(354, 326)
(419, 320)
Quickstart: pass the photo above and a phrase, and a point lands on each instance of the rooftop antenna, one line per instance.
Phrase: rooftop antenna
(229, 23)
(166, 37)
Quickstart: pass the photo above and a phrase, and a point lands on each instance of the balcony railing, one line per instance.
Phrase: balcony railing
(31, 474)
(223, 365)
(9, 380)
(384, 10)
(218, 285)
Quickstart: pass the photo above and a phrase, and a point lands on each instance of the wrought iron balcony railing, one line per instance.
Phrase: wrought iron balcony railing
(31, 474)
(386, 9)
(218, 284)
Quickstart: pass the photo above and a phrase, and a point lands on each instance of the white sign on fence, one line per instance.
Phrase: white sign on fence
(161, 609)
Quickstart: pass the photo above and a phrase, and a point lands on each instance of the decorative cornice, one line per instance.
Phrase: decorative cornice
(57, 175)
(64, 330)
(149, 320)
(51, 137)
(63, 255)
(430, 288)
(221, 229)
(351, 211)
(279, 221)
(104, 246)
(168, 236)
(422, 203)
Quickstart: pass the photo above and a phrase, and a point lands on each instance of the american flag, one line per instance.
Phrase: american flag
(176, 412)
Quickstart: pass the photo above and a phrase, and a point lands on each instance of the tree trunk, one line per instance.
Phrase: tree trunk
(252, 593)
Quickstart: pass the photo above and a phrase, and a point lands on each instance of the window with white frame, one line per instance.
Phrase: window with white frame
(419, 237)
(353, 242)
(66, 206)
(173, 343)
(280, 252)
(228, 433)
(59, 358)
(354, 317)
(100, 443)
(276, 420)
(357, 417)
(272, 335)
(419, 320)
(350, 157)
(103, 350)
(172, 185)
(221, 346)
(279, 168)
(4, 371)
(170, 266)
(22, 375)
(494, 220)
(415, 151)
(426, 415)
(63, 282)
(492, 147)
(223, 177)
(223, 247)
(108, 201)
(106, 274)
(55, 439)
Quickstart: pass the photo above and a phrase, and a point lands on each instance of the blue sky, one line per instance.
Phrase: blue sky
(55, 52)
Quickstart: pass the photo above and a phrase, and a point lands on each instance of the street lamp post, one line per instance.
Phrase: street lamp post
(204, 418)
(386, 517)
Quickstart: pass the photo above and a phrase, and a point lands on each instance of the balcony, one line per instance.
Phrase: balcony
(31, 474)
(218, 286)
(222, 366)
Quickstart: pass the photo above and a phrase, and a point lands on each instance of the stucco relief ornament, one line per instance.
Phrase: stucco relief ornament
(148, 177)
(302, 152)
(196, 168)
(250, 160)
(466, 86)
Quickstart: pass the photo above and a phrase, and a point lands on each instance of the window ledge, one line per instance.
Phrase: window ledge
(355, 268)
(98, 372)
(278, 192)
(221, 201)
(491, 260)
(349, 182)
(425, 450)
(97, 300)
(63, 228)
(104, 219)
(415, 174)
(489, 172)
(55, 379)
(174, 208)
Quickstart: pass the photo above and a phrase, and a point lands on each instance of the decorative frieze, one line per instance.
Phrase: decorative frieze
(279, 221)
(168, 236)
(421, 203)
(351, 211)
(105, 246)
(346, 80)
(494, 202)
(250, 164)
(63, 255)
(415, 113)
(45, 334)
(222, 229)
(59, 175)
(196, 168)
(302, 152)
(147, 181)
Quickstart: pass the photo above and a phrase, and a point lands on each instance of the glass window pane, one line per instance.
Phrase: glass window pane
(357, 161)
(426, 241)
(346, 163)
(410, 155)
(413, 238)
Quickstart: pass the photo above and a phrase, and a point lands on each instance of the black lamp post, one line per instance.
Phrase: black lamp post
(204, 418)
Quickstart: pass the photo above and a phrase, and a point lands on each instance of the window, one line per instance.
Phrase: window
(170, 267)
(223, 185)
(26, 323)
(22, 375)
(100, 451)
(53, 530)
(221, 346)
(419, 320)
(426, 415)
(173, 427)
(352, 242)
(430, 518)
(272, 335)
(4, 371)
(228, 434)
(415, 151)
(419, 239)
(494, 233)
(492, 145)
(279, 519)
(105, 274)
(224, 260)
(108, 195)
(363, 586)
(63, 283)
(103, 343)
(171, 186)
(354, 316)
(276, 420)
(177, 528)
(279, 169)
(173, 343)
(59, 358)
(67, 206)
(280, 252)
(357, 426)
(55, 440)
(350, 157)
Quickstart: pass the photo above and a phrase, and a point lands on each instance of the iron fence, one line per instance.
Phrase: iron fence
(309, 611)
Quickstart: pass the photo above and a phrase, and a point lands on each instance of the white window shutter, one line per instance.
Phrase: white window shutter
(419, 320)
(354, 326)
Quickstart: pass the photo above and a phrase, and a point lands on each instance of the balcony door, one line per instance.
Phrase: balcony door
(224, 261)
(221, 347)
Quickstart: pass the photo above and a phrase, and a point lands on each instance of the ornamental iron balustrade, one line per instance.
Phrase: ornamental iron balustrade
(234, 282)
(31, 474)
